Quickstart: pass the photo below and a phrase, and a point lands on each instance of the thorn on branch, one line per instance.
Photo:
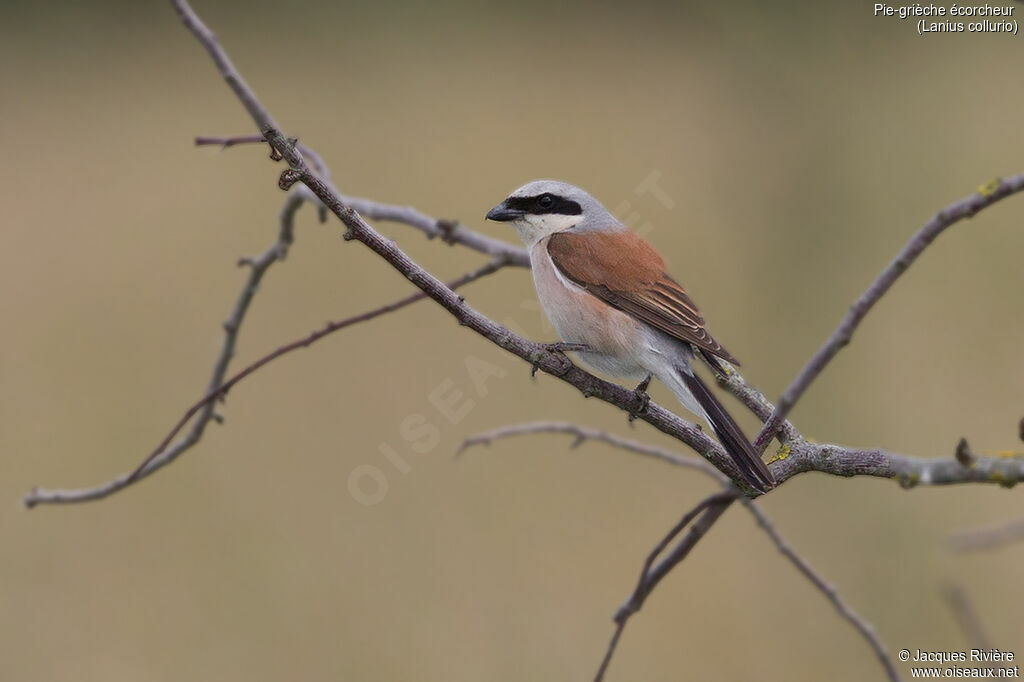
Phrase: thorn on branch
(244, 261)
(288, 178)
(1021, 428)
(963, 453)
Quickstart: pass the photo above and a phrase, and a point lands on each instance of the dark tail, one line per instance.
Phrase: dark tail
(730, 435)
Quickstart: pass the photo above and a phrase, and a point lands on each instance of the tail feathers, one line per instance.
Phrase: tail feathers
(729, 433)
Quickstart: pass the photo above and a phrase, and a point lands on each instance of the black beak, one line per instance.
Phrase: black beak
(502, 213)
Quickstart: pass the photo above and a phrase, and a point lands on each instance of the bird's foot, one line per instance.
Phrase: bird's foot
(643, 400)
(561, 348)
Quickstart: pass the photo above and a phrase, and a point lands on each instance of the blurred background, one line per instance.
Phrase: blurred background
(796, 147)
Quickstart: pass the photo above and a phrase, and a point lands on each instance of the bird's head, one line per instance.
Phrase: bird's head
(544, 207)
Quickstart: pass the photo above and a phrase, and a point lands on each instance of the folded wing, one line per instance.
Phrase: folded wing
(625, 272)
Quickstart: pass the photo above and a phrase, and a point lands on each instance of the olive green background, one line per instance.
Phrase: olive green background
(800, 145)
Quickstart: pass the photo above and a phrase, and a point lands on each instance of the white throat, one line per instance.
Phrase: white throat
(532, 228)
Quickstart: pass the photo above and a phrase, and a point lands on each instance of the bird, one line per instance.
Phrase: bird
(605, 289)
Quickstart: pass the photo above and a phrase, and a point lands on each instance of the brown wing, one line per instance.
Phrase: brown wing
(627, 273)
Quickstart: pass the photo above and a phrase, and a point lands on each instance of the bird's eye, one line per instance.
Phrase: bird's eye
(545, 201)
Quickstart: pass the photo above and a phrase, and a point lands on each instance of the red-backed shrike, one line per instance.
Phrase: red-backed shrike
(606, 288)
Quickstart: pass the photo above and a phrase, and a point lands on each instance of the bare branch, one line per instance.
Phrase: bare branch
(955, 212)
(583, 434)
(166, 452)
(38, 496)
(987, 538)
(966, 208)
(709, 510)
(651, 575)
(795, 456)
(752, 399)
(231, 141)
(451, 232)
(865, 628)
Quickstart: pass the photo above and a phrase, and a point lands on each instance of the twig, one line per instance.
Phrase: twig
(752, 399)
(231, 141)
(987, 538)
(450, 232)
(710, 510)
(39, 496)
(966, 617)
(167, 452)
(583, 434)
(650, 577)
(799, 455)
(965, 208)
(866, 630)
(792, 459)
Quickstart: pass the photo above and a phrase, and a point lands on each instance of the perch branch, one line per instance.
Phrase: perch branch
(794, 457)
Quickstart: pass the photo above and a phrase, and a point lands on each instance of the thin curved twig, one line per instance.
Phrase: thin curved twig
(204, 412)
(582, 434)
(866, 629)
(451, 232)
(226, 142)
(700, 519)
(967, 207)
(162, 455)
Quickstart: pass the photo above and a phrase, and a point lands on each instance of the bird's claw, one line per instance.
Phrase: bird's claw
(561, 348)
(643, 399)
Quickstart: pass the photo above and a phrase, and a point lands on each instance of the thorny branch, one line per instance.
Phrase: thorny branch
(795, 456)
(650, 579)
